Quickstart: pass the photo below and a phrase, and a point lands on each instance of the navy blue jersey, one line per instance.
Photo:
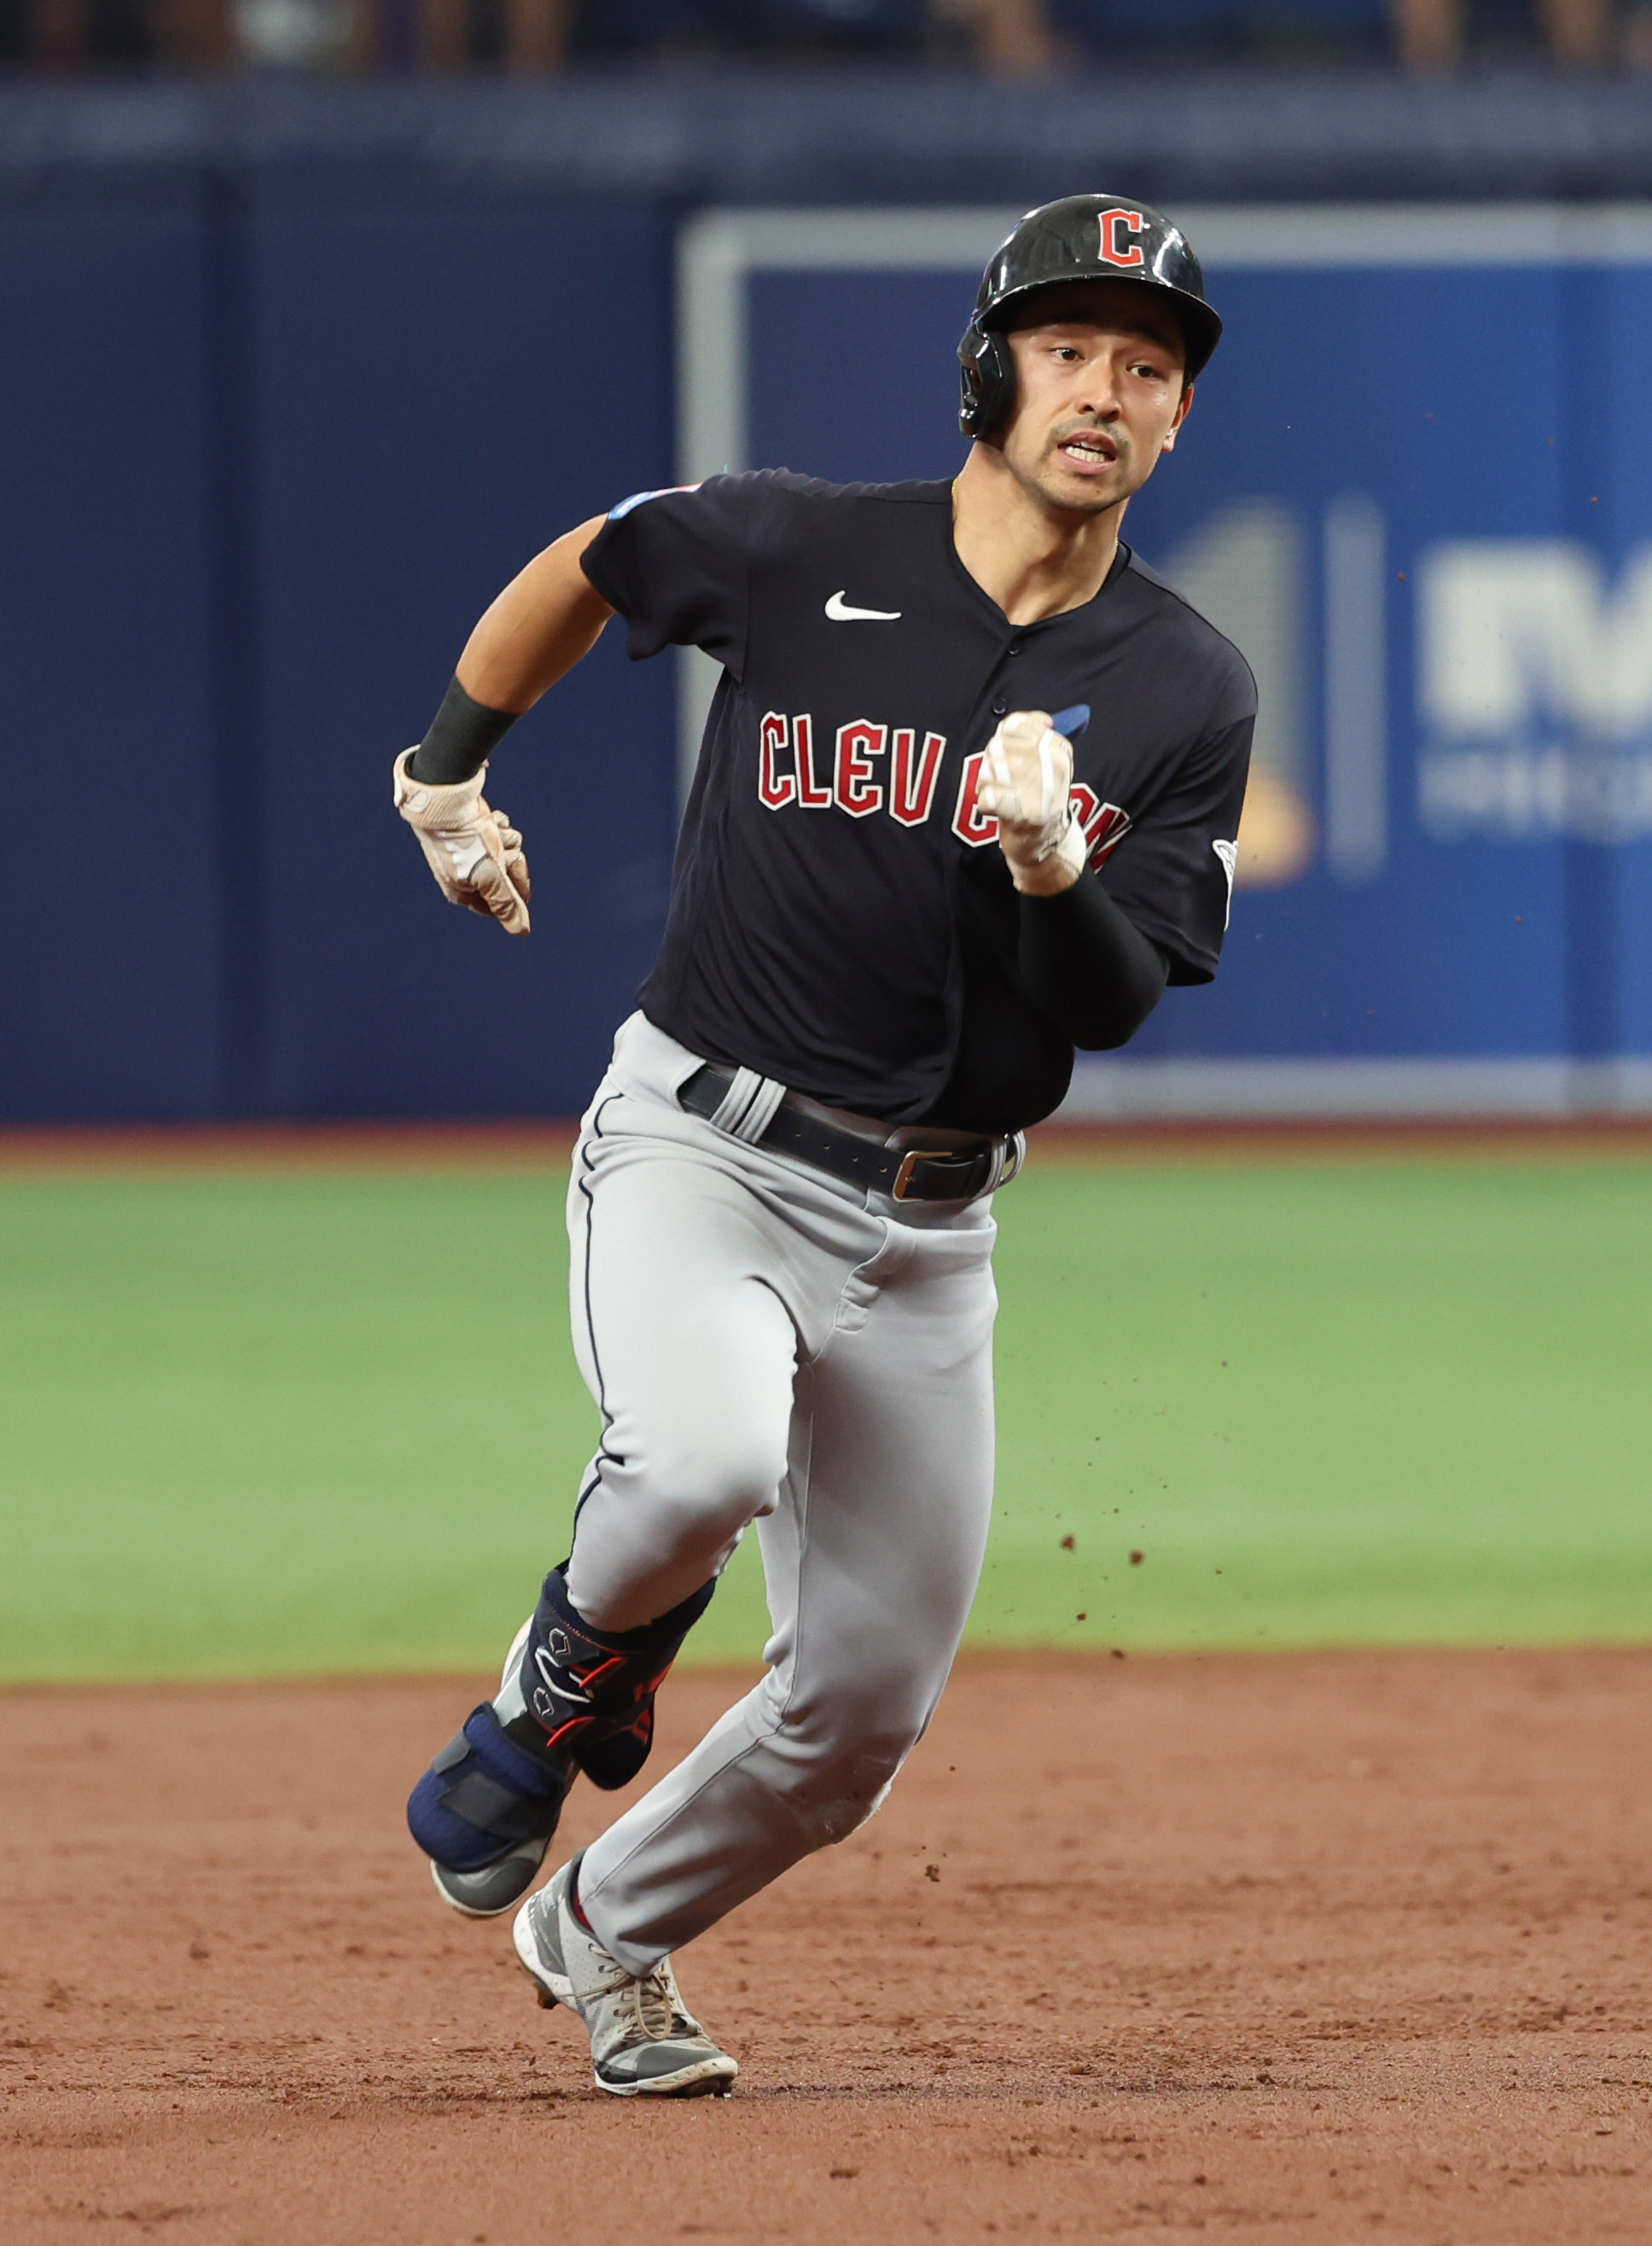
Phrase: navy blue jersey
(841, 918)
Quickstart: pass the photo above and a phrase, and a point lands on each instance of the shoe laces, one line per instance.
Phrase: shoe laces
(649, 2001)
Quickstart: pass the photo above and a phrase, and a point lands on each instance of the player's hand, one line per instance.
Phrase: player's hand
(475, 852)
(1026, 784)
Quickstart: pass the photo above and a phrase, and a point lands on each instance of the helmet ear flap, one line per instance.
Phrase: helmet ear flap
(987, 381)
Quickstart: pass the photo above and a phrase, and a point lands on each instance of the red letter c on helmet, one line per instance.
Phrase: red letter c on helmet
(1110, 222)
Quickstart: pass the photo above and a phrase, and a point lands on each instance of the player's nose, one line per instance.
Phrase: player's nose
(1098, 394)
(1099, 389)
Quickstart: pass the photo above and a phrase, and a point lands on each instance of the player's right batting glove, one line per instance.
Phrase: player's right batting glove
(475, 852)
(1026, 782)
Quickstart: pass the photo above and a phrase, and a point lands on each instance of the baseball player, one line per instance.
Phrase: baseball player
(967, 798)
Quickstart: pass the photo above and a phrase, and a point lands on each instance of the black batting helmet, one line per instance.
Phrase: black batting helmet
(1080, 238)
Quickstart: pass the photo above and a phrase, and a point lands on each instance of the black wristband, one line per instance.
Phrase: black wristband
(462, 737)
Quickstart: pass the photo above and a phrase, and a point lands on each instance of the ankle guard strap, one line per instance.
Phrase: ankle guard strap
(589, 1694)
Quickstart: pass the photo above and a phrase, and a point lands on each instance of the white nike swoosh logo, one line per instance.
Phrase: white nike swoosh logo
(840, 613)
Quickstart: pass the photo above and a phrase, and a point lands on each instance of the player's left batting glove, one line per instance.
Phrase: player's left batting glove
(474, 852)
(1026, 784)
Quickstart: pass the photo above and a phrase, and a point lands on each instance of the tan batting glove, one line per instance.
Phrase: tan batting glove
(475, 852)
(1025, 783)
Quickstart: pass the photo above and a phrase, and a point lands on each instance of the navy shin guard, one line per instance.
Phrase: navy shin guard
(578, 1700)
(589, 1694)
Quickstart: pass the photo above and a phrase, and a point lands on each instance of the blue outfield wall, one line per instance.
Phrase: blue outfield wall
(109, 914)
(423, 425)
(273, 432)
(262, 462)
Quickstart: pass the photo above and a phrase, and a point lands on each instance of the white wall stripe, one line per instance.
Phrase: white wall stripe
(1147, 1091)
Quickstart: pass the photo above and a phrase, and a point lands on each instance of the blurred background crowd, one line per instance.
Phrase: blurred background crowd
(1018, 36)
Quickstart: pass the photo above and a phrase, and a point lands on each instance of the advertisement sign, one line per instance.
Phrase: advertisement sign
(1415, 490)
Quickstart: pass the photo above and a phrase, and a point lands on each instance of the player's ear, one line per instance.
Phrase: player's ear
(1183, 404)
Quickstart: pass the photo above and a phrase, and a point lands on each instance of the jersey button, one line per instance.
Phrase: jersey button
(1014, 648)
(998, 709)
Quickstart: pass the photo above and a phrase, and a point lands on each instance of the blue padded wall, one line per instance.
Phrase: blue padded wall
(265, 454)
(109, 909)
(439, 394)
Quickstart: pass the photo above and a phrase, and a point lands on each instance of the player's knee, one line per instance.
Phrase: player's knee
(712, 1484)
(837, 1798)
(849, 1743)
(884, 1731)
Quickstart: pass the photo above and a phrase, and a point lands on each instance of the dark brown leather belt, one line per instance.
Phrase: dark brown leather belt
(910, 1163)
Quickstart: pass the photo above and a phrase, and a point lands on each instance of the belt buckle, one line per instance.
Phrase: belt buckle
(909, 1161)
(903, 1175)
(1002, 1165)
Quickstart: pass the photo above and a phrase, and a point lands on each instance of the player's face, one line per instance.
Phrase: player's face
(1100, 393)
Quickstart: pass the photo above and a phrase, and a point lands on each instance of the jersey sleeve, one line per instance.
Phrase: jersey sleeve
(676, 565)
(1173, 875)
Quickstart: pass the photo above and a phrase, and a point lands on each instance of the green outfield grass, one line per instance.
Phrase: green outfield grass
(297, 1420)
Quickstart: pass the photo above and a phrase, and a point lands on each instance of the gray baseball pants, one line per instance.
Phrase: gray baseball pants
(767, 1345)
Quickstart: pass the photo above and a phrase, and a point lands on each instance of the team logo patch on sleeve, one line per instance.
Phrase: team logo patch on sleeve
(618, 513)
(1228, 853)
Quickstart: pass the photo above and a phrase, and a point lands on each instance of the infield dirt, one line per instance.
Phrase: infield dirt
(1323, 1948)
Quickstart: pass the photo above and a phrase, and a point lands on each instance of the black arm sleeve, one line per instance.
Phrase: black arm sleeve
(1088, 965)
(462, 737)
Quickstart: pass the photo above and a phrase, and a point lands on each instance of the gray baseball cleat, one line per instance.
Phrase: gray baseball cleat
(497, 1888)
(644, 2042)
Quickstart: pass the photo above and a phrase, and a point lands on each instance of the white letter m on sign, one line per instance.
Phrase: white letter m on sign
(1535, 682)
